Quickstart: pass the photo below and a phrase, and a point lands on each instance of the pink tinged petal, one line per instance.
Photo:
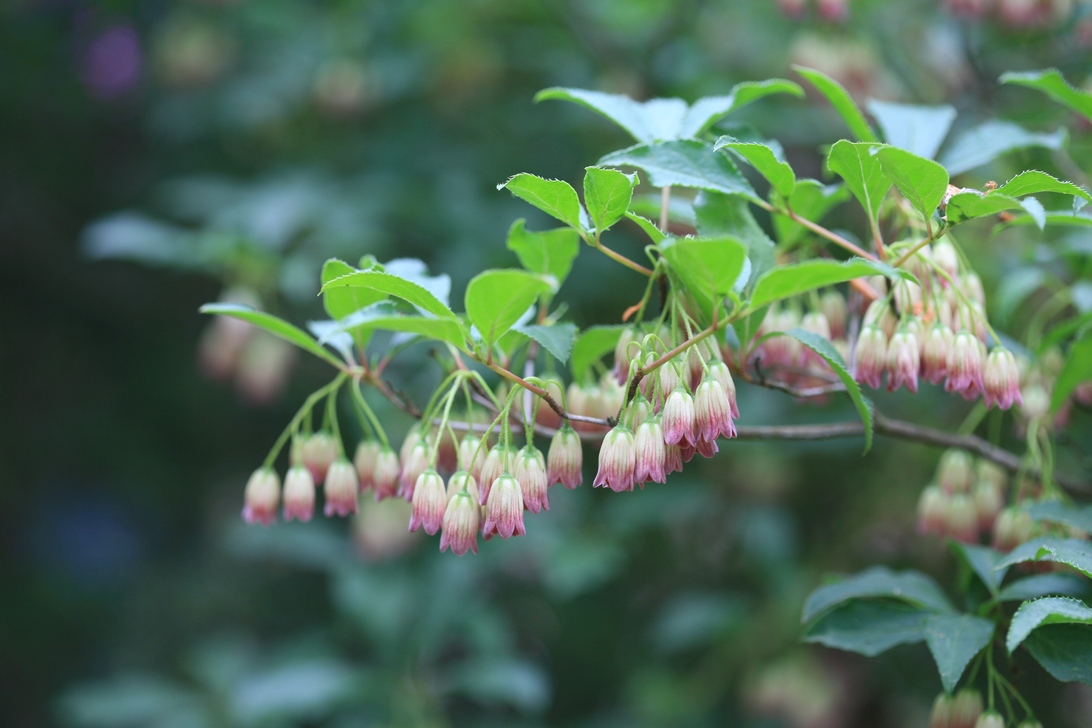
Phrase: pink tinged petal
(565, 460)
(414, 463)
(504, 511)
(650, 453)
(460, 525)
(263, 493)
(385, 476)
(871, 356)
(429, 502)
(530, 471)
(712, 413)
(678, 418)
(299, 494)
(903, 362)
(341, 488)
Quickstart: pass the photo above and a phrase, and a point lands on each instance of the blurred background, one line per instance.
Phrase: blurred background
(158, 155)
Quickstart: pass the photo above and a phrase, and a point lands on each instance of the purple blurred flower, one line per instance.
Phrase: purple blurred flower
(112, 62)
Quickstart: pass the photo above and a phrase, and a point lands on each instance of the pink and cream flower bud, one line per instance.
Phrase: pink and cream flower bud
(504, 509)
(879, 314)
(317, 452)
(617, 459)
(342, 488)
(966, 708)
(622, 357)
(1001, 380)
(934, 356)
(472, 455)
(719, 371)
(941, 716)
(263, 493)
(639, 410)
(565, 459)
(460, 525)
(955, 471)
(712, 412)
(385, 475)
(944, 255)
(530, 471)
(429, 502)
(833, 305)
(990, 719)
(962, 519)
(871, 356)
(933, 511)
(964, 364)
(364, 460)
(651, 452)
(299, 494)
(673, 459)
(414, 462)
(988, 502)
(669, 381)
(1012, 527)
(903, 361)
(459, 481)
(495, 463)
(678, 418)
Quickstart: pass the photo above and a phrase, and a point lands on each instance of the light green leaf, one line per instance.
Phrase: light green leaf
(1042, 612)
(1042, 585)
(607, 193)
(912, 587)
(384, 316)
(274, 325)
(706, 111)
(765, 159)
(550, 252)
(556, 339)
(555, 197)
(1032, 182)
(709, 267)
(970, 205)
(1071, 551)
(393, 285)
(842, 102)
(810, 199)
(1066, 514)
(983, 561)
(830, 355)
(684, 164)
(868, 628)
(989, 140)
(785, 281)
(861, 169)
(730, 216)
(1064, 650)
(921, 181)
(496, 299)
(1077, 369)
(1053, 84)
(592, 345)
(916, 129)
(340, 302)
(954, 640)
(1065, 218)
(654, 233)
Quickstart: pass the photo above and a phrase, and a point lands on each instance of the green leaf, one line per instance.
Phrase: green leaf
(1064, 650)
(1032, 182)
(830, 355)
(592, 345)
(669, 119)
(340, 302)
(496, 299)
(1071, 551)
(1041, 585)
(912, 587)
(983, 561)
(555, 197)
(1053, 84)
(550, 252)
(970, 205)
(915, 129)
(274, 325)
(765, 159)
(1065, 218)
(729, 216)
(840, 99)
(654, 233)
(868, 628)
(386, 317)
(954, 640)
(556, 339)
(684, 164)
(1014, 288)
(1077, 369)
(785, 281)
(921, 181)
(861, 169)
(1063, 513)
(302, 690)
(607, 193)
(393, 285)
(810, 199)
(709, 267)
(1042, 612)
(989, 140)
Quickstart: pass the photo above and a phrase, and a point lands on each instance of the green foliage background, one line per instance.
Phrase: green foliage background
(133, 594)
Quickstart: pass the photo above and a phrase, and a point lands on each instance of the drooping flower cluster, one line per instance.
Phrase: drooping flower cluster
(962, 710)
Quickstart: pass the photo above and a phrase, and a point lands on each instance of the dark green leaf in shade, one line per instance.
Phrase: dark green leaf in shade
(830, 355)
(1043, 585)
(1077, 516)
(607, 193)
(687, 163)
(912, 587)
(983, 561)
(970, 205)
(274, 325)
(496, 299)
(764, 158)
(989, 140)
(1074, 552)
(1053, 84)
(549, 252)
(1077, 369)
(868, 627)
(1064, 650)
(916, 129)
(856, 163)
(556, 338)
(1042, 612)
(730, 216)
(921, 181)
(592, 345)
(842, 102)
(954, 640)
(555, 197)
